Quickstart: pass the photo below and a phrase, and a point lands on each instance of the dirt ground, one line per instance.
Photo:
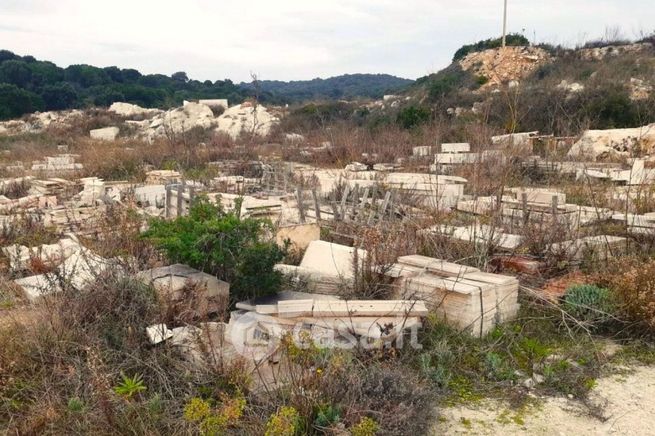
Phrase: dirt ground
(625, 402)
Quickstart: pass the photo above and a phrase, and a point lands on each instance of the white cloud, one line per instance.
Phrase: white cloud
(293, 39)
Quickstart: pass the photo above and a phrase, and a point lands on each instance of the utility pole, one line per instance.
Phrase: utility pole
(504, 23)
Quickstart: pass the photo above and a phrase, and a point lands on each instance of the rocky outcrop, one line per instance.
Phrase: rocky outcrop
(504, 65)
(598, 144)
(131, 110)
(246, 118)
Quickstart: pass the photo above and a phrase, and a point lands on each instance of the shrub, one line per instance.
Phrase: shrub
(285, 422)
(223, 244)
(589, 303)
(633, 282)
(365, 427)
(412, 116)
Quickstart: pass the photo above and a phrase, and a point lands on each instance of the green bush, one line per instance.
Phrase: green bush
(512, 39)
(589, 303)
(412, 116)
(221, 243)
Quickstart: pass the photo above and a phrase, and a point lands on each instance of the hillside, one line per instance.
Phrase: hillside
(550, 89)
(347, 86)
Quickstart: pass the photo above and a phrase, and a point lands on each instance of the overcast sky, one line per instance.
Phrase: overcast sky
(294, 39)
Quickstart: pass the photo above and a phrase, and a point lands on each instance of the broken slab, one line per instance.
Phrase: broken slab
(81, 269)
(48, 255)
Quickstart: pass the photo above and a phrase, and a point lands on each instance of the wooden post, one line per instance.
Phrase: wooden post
(167, 202)
(344, 199)
(180, 199)
(301, 210)
(371, 215)
(524, 205)
(355, 201)
(335, 210)
(555, 203)
(317, 205)
(362, 205)
(383, 206)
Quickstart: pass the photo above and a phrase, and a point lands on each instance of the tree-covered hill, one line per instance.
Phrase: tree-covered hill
(28, 85)
(347, 86)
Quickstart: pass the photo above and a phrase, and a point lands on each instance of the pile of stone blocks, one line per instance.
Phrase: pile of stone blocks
(329, 322)
(463, 296)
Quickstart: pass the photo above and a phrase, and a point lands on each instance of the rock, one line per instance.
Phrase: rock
(503, 65)
(246, 118)
(595, 144)
(640, 89)
(130, 110)
(356, 167)
(215, 103)
(570, 87)
(105, 134)
(158, 333)
(528, 383)
(538, 378)
(293, 138)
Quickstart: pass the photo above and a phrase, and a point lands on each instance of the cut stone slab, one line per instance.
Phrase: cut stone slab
(105, 134)
(459, 147)
(172, 280)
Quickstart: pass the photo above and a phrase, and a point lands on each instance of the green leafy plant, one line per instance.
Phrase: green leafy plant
(234, 249)
(130, 386)
(327, 415)
(589, 303)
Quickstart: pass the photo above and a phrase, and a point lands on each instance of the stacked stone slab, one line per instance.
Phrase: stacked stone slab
(330, 322)
(463, 296)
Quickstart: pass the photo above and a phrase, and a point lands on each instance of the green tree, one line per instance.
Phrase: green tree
(15, 102)
(15, 72)
(59, 96)
(180, 76)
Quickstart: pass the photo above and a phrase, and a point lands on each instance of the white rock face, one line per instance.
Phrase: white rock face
(597, 143)
(180, 120)
(245, 118)
(130, 110)
(105, 134)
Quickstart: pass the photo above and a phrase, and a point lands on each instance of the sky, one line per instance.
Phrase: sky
(295, 39)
